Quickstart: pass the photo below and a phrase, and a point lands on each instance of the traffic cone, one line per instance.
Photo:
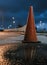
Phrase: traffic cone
(30, 34)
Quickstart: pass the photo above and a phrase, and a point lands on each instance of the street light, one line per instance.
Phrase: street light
(13, 18)
(2, 27)
(9, 26)
(37, 26)
(13, 21)
(43, 24)
(40, 23)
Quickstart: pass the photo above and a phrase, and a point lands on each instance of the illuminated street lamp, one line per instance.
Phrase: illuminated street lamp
(40, 23)
(13, 21)
(2, 27)
(13, 18)
(43, 24)
(9, 26)
(37, 26)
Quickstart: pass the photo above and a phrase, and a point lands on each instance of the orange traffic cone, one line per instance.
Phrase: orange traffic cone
(30, 34)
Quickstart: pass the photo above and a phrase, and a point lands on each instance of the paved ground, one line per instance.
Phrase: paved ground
(12, 37)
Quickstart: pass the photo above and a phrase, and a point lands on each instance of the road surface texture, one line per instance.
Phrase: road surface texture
(10, 37)
(11, 41)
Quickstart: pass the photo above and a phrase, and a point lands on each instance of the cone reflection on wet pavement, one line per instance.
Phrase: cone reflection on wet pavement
(30, 34)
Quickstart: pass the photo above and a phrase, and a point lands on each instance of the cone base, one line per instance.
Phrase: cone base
(31, 42)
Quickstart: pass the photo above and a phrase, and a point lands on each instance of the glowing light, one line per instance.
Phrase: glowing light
(37, 26)
(43, 24)
(13, 18)
(40, 23)
(1, 25)
(13, 21)
(9, 26)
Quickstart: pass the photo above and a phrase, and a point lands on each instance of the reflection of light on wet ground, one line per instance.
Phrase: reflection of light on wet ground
(1, 52)
(4, 35)
(13, 37)
(3, 49)
(1, 33)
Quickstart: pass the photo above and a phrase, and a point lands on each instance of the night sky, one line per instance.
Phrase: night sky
(19, 10)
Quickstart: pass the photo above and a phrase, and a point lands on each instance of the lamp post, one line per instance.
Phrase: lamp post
(13, 21)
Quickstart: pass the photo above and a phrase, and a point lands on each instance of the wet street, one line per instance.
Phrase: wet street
(12, 37)
(6, 40)
(11, 40)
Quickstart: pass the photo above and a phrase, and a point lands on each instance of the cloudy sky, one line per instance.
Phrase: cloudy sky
(19, 9)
